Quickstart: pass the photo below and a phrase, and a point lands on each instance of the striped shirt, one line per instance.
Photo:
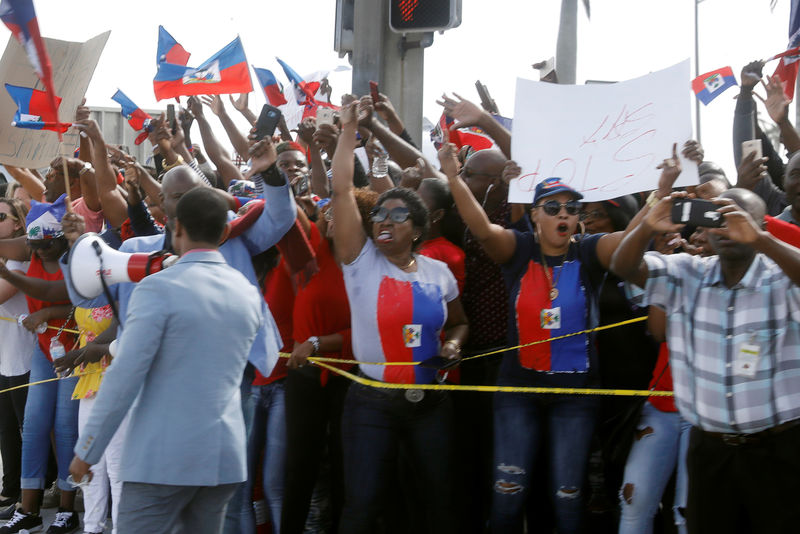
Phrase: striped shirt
(707, 326)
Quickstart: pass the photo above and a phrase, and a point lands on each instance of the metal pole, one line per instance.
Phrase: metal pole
(697, 66)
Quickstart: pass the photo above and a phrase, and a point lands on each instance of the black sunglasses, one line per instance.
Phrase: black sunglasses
(553, 208)
(42, 244)
(398, 215)
(4, 216)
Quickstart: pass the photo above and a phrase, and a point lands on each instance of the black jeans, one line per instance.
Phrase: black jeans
(12, 413)
(375, 424)
(750, 487)
(313, 420)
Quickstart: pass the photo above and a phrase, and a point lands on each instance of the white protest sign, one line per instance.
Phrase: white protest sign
(603, 140)
(73, 67)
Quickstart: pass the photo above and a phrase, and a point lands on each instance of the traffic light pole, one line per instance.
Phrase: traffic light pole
(385, 57)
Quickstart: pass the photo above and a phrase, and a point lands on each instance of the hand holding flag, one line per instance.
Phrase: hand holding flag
(137, 118)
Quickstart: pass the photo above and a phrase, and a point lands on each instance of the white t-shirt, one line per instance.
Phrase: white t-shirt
(16, 343)
(397, 316)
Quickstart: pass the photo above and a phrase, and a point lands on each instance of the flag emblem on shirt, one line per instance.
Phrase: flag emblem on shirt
(412, 335)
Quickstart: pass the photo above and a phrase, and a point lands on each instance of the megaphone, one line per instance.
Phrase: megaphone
(84, 265)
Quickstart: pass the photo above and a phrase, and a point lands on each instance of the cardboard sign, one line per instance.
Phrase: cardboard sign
(73, 67)
(603, 140)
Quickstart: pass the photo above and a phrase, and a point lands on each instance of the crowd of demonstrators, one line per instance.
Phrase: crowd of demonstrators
(187, 398)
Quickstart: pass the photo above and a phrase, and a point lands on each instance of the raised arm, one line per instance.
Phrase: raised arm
(468, 114)
(240, 105)
(237, 138)
(15, 248)
(306, 131)
(348, 232)
(216, 154)
(778, 109)
(498, 242)
(29, 182)
(111, 201)
(400, 151)
(45, 290)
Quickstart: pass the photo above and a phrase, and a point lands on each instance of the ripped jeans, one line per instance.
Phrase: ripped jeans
(524, 423)
(661, 443)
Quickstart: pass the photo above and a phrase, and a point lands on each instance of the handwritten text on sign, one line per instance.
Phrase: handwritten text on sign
(603, 140)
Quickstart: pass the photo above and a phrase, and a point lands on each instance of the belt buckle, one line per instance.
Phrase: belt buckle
(414, 395)
(734, 439)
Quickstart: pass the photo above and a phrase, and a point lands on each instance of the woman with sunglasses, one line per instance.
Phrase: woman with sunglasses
(553, 279)
(16, 350)
(400, 303)
(49, 407)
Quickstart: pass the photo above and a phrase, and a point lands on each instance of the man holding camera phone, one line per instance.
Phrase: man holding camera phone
(734, 338)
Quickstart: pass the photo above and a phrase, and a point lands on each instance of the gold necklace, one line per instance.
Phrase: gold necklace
(410, 263)
(553, 288)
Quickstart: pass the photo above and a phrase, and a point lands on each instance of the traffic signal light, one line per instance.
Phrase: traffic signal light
(406, 16)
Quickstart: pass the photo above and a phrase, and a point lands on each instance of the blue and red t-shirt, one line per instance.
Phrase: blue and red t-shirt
(397, 316)
(533, 316)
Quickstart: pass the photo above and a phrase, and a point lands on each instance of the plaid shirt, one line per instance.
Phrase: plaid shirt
(707, 324)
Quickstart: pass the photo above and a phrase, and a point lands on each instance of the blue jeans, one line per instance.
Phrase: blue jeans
(661, 445)
(374, 425)
(49, 407)
(269, 435)
(521, 425)
(239, 513)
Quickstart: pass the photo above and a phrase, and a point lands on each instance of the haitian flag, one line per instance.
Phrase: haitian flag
(223, 73)
(272, 90)
(710, 85)
(137, 118)
(472, 136)
(787, 68)
(20, 17)
(304, 91)
(33, 110)
(169, 50)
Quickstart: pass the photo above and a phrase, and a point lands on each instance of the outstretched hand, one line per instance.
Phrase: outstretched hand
(776, 102)
(670, 170)
(448, 160)
(463, 111)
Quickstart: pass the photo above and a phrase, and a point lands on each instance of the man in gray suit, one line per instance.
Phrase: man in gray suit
(184, 452)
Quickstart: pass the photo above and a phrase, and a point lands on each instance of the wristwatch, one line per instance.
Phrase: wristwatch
(314, 340)
(86, 167)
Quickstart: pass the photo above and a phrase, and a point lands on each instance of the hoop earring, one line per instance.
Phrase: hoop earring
(573, 238)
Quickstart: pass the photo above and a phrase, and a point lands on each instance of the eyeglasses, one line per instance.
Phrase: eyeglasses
(41, 244)
(553, 208)
(594, 214)
(4, 216)
(467, 174)
(400, 214)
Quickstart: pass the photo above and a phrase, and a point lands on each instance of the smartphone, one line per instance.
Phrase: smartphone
(171, 117)
(267, 121)
(696, 212)
(300, 187)
(487, 102)
(439, 362)
(324, 116)
(751, 146)
(373, 91)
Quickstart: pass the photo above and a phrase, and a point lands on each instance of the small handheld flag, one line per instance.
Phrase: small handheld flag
(169, 50)
(272, 90)
(304, 91)
(20, 17)
(223, 73)
(33, 110)
(137, 118)
(710, 85)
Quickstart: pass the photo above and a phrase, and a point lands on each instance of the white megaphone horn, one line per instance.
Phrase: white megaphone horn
(84, 265)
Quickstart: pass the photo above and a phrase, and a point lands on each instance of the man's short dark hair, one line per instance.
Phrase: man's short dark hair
(203, 214)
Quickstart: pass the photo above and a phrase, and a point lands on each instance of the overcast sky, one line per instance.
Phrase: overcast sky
(496, 43)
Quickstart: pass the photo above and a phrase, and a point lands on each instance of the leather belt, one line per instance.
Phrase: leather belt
(752, 438)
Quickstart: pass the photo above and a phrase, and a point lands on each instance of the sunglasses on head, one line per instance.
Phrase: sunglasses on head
(4, 216)
(42, 244)
(553, 207)
(399, 214)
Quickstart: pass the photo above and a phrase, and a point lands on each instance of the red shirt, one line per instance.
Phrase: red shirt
(37, 270)
(443, 250)
(279, 294)
(321, 307)
(662, 381)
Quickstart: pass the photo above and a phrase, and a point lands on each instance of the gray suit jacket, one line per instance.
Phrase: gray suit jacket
(185, 343)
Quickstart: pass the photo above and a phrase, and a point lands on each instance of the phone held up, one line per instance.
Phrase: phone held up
(696, 212)
(373, 91)
(267, 121)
